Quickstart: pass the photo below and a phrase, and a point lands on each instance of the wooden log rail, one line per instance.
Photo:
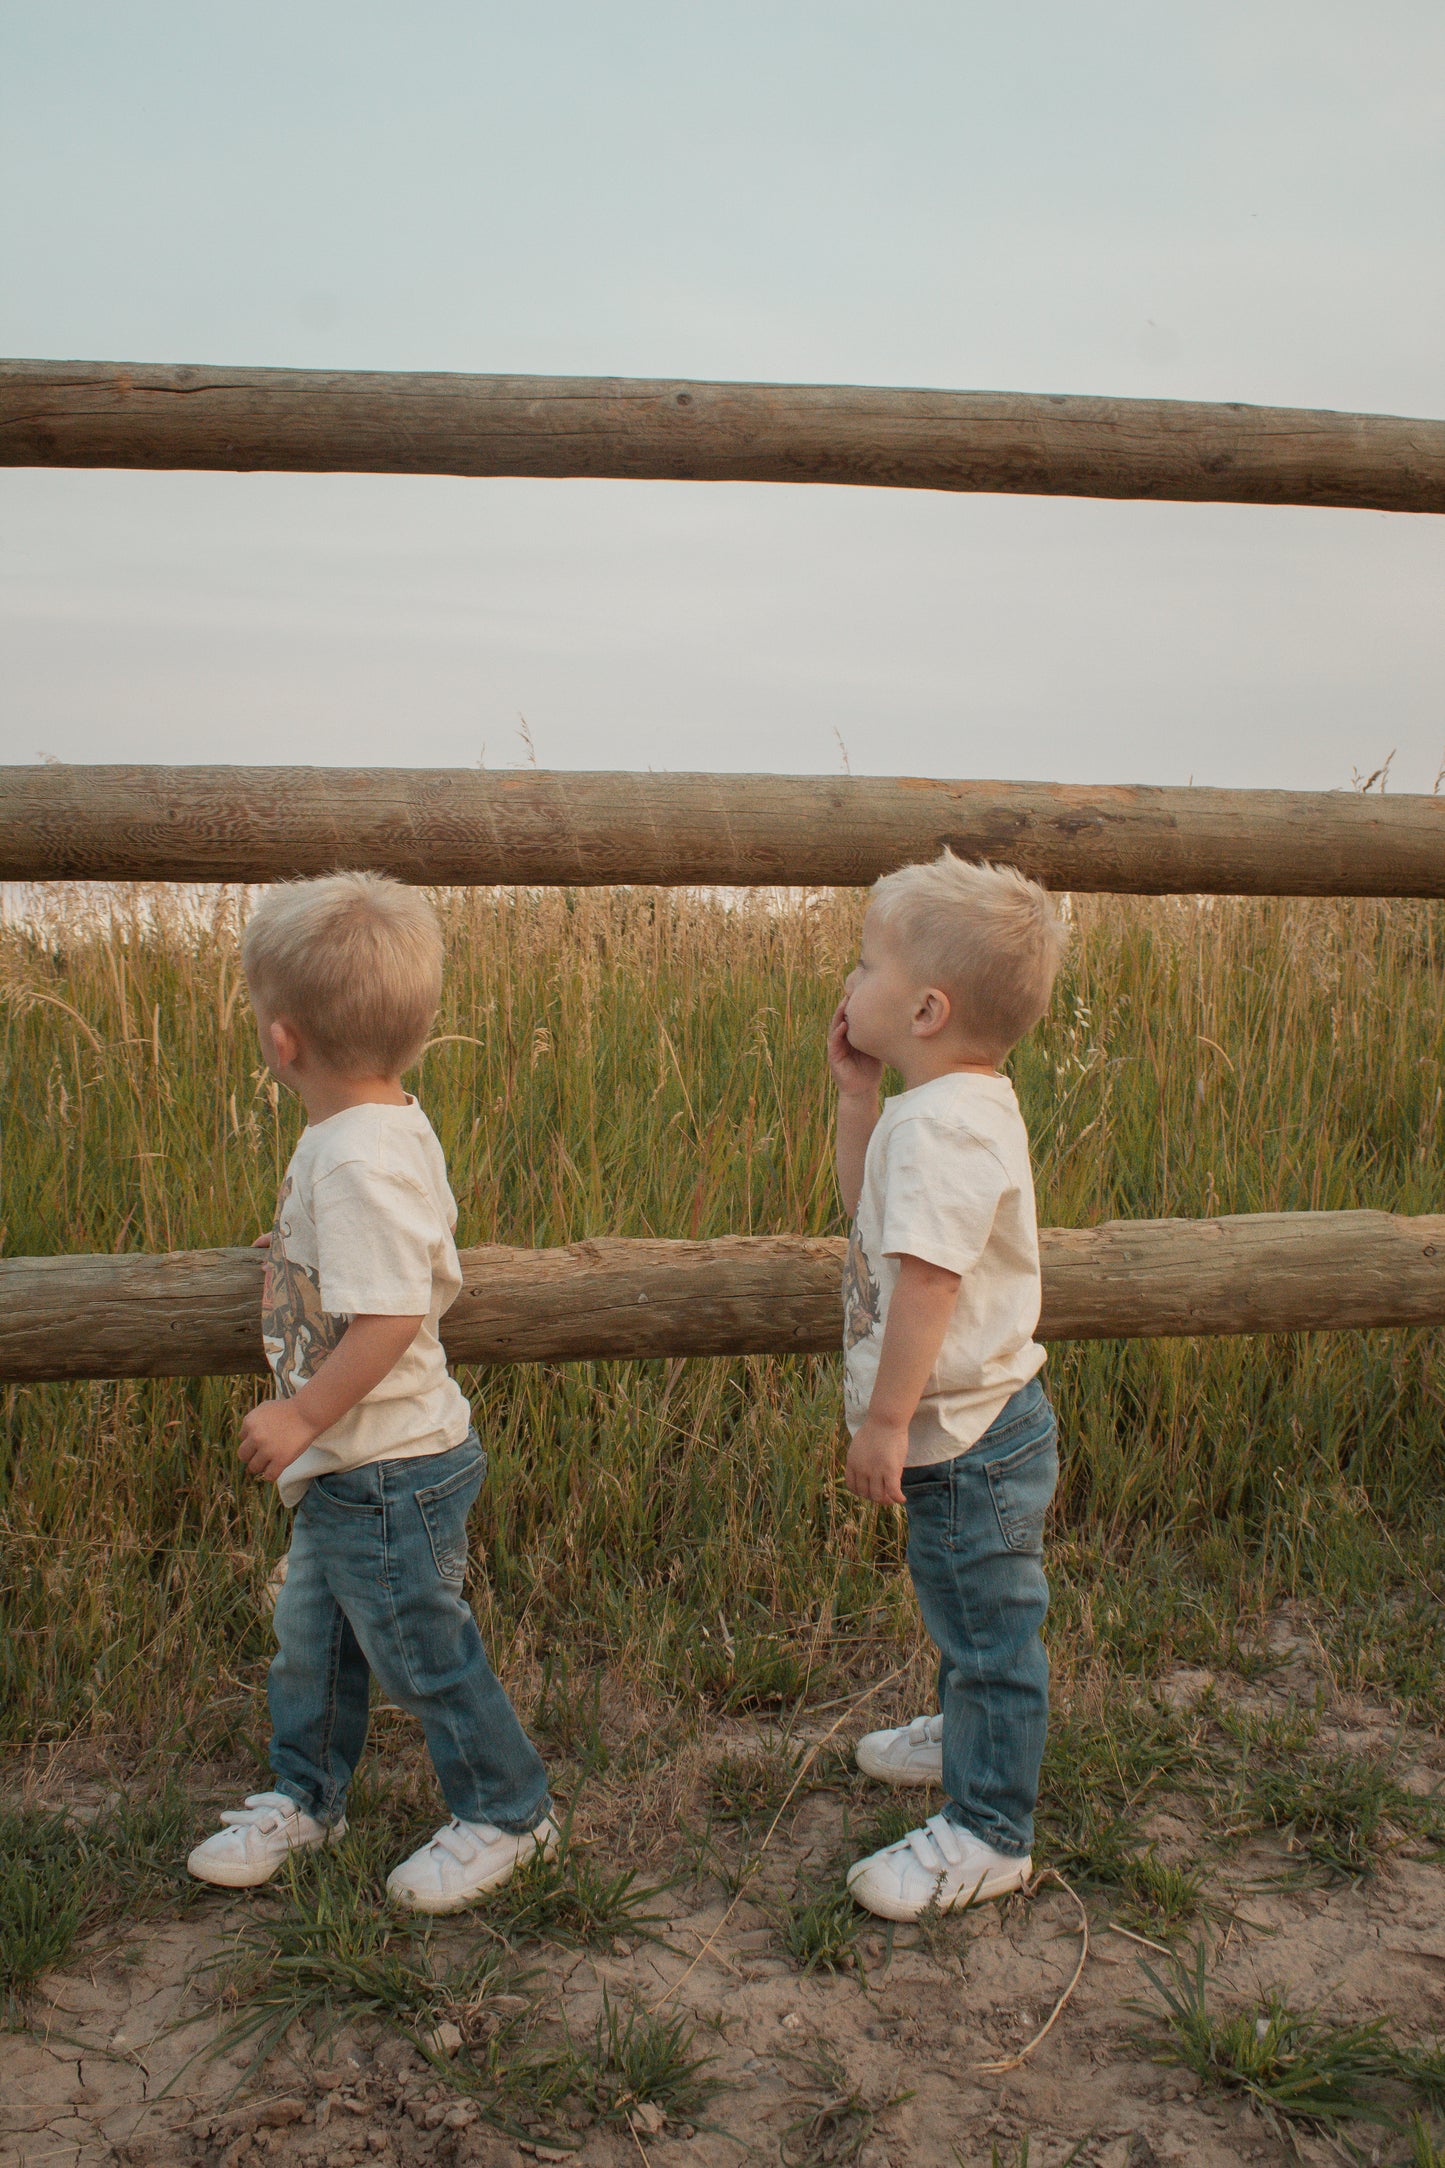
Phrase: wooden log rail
(114, 414)
(195, 1313)
(465, 825)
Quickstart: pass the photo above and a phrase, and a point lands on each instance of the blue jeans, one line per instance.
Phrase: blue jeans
(378, 1556)
(975, 1551)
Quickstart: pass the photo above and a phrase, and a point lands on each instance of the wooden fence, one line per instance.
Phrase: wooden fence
(465, 825)
(114, 414)
(195, 1313)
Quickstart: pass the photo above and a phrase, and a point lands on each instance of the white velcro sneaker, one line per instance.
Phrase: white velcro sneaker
(939, 1866)
(908, 1754)
(463, 1861)
(253, 1840)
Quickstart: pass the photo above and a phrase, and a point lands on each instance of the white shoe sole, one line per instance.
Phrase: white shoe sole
(874, 1764)
(1002, 1883)
(436, 1908)
(243, 1875)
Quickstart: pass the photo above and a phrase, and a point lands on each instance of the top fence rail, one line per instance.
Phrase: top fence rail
(469, 826)
(112, 414)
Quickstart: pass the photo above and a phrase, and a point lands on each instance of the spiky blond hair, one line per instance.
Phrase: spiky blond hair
(354, 961)
(984, 935)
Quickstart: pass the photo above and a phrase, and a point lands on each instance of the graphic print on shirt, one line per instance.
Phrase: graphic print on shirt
(862, 1296)
(297, 1332)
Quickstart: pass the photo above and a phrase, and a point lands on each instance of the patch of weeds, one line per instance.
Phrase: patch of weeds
(751, 1787)
(1339, 1809)
(838, 2119)
(888, 1824)
(820, 1927)
(42, 1903)
(1157, 1899)
(61, 1878)
(513, 2088)
(1143, 1747)
(637, 2057)
(1426, 2151)
(1098, 1777)
(1295, 2067)
(945, 1934)
(1423, 2068)
(834, 1770)
(818, 1930)
(572, 1722)
(1336, 1807)
(572, 1900)
(330, 1955)
(1096, 1845)
(700, 1856)
(744, 1666)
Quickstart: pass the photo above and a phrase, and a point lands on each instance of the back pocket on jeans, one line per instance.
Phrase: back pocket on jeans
(1021, 1485)
(444, 1509)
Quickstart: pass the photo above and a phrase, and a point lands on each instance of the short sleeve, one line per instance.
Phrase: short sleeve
(942, 1190)
(376, 1235)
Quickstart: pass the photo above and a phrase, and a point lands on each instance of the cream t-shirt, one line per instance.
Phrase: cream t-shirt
(364, 1228)
(947, 1178)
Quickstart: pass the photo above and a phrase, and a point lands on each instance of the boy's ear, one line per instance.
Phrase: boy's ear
(931, 1015)
(285, 1042)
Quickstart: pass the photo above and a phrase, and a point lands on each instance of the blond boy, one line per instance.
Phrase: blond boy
(369, 1438)
(942, 1393)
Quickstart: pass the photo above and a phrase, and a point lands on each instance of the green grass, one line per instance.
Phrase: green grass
(819, 1929)
(323, 1949)
(750, 1788)
(637, 2058)
(574, 1902)
(838, 2118)
(650, 1063)
(330, 1952)
(1340, 1811)
(1295, 2067)
(62, 1878)
(1426, 2151)
(1099, 1781)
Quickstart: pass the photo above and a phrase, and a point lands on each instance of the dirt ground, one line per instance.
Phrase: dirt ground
(886, 2064)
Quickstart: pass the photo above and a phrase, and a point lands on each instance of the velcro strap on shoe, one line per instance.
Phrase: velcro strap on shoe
(938, 1845)
(458, 1842)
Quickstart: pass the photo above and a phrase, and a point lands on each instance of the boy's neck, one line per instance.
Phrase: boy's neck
(921, 1061)
(323, 1093)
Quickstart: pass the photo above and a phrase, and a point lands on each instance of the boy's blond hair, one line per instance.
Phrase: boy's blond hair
(354, 961)
(984, 935)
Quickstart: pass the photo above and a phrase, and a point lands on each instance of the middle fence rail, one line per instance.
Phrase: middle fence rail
(196, 1313)
(468, 826)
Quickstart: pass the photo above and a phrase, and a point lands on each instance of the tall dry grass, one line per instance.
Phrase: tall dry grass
(649, 1062)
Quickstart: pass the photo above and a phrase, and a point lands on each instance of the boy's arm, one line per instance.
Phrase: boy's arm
(279, 1431)
(858, 1078)
(918, 1319)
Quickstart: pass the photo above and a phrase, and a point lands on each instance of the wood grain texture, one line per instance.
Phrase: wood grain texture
(195, 1313)
(465, 825)
(114, 414)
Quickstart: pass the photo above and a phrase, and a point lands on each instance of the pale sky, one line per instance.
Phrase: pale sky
(1244, 200)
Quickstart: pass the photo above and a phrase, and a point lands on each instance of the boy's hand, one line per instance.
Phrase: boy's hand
(875, 1461)
(854, 1073)
(272, 1436)
(262, 1242)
